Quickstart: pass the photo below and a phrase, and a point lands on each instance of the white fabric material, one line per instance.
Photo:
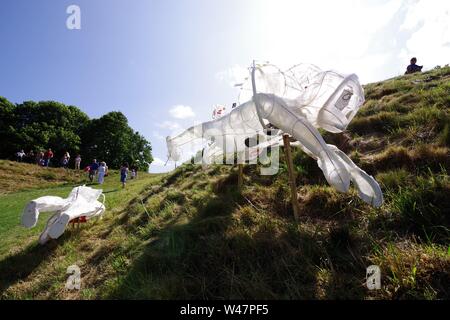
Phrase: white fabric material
(368, 189)
(82, 201)
(297, 101)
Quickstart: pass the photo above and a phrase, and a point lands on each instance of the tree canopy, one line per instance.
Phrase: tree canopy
(41, 125)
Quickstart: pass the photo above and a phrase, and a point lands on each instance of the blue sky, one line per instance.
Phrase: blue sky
(164, 64)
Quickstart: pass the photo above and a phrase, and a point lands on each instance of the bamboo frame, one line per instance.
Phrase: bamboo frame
(292, 176)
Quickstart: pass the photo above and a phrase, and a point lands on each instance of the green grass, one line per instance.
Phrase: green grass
(11, 207)
(190, 234)
(19, 251)
(16, 176)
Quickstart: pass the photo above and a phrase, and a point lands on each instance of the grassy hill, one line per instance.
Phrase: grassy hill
(191, 234)
(16, 176)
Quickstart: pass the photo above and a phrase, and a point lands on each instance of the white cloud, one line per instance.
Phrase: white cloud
(158, 162)
(430, 23)
(158, 136)
(343, 30)
(158, 166)
(181, 112)
(170, 125)
(234, 75)
(374, 39)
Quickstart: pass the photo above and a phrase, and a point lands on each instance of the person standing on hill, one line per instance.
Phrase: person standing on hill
(124, 174)
(413, 67)
(65, 162)
(77, 162)
(30, 156)
(48, 155)
(67, 156)
(93, 170)
(19, 155)
(135, 169)
(39, 158)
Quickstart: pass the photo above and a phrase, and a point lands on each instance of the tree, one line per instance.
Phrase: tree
(7, 131)
(49, 124)
(110, 139)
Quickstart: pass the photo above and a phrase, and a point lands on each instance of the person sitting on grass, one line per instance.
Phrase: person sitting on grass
(124, 174)
(413, 67)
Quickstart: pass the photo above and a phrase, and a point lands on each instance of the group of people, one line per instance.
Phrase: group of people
(41, 158)
(45, 158)
(125, 170)
(97, 169)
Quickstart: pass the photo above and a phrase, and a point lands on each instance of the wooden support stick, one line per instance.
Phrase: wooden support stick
(293, 185)
(240, 176)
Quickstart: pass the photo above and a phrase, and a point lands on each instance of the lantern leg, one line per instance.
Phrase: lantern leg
(292, 184)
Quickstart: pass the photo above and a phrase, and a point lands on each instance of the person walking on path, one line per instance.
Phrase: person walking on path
(124, 174)
(101, 172)
(106, 169)
(135, 169)
(77, 162)
(93, 170)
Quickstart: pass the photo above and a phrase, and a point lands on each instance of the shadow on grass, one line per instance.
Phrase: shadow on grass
(110, 191)
(214, 256)
(17, 267)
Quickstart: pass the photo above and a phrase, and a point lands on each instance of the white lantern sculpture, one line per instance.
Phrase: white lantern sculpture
(297, 102)
(82, 202)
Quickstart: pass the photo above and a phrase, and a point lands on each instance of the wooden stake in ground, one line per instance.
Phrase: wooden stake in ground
(293, 185)
(240, 176)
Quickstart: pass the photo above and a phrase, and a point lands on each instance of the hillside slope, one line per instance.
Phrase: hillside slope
(190, 234)
(15, 176)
